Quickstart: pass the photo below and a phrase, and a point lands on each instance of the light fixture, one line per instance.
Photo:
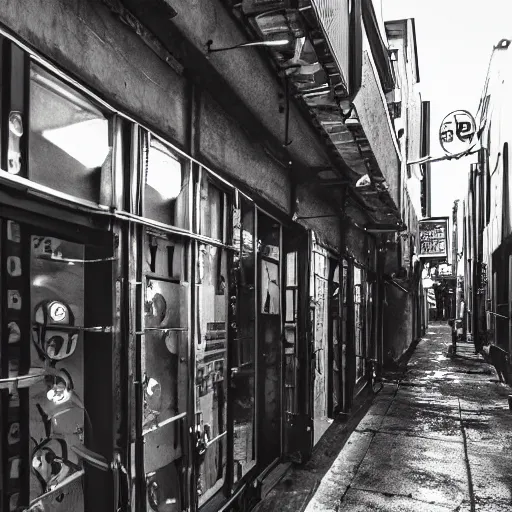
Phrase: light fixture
(278, 42)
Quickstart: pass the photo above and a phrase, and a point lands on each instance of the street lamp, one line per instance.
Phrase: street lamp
(278, 42)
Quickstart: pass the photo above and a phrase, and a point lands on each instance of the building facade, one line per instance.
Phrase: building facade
(411, 120)
(193, 244)
(487, 230)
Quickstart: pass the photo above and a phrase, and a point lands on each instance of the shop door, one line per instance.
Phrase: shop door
(345, 334)
(369, 312)
(359, 330)
(269, 341)
(335, 398)
(56, 361)
(298, 440)
(242, 388)
(164, 349)
(320, 331)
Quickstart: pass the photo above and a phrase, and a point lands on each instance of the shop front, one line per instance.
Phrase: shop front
(154, 352)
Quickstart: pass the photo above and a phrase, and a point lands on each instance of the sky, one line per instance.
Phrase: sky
(455, 40)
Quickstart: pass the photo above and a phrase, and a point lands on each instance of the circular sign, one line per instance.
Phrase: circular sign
(457, 132)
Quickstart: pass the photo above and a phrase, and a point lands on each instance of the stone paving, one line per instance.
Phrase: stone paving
(438, 437)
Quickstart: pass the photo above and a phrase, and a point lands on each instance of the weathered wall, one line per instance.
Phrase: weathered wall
(359, 245)
(309, 204)
(250, 76)
(373, 116)
(84, 38)
(89, 42)
(228, 148)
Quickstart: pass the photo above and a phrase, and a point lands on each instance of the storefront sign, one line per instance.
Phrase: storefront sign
(457, 132)
(434, 238)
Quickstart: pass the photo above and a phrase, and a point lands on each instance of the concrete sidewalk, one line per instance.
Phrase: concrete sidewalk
(440, 439)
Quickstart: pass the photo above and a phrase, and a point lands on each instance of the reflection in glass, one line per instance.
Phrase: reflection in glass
(56, 410)
(321, 333)
(165, 376)
(212, 205)
(243, 373)
(165, 307)
(335, 326)
(358, 323)
(163, 490)
(167, 186)
(269, 343)
(69, 137)
(291, 367)
(211, 363)
(269, 287)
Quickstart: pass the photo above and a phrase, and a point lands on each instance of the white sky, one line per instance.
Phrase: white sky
(455, 40)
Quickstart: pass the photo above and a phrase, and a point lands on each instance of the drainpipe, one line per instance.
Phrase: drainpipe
(474, 252)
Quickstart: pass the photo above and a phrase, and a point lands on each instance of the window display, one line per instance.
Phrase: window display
(212, 204)
(166, 193)
(269, 342)
(57, 412)
(243, 357)
(164, 347)
(359, 323)
(69, 143)
(211, 364)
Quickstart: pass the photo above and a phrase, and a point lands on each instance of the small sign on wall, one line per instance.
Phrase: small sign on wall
(433, 238)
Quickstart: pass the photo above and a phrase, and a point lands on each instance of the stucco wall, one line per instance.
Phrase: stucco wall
(250, 76)
(309, 204)
(358, 245)
(227, 147)
(373, 115)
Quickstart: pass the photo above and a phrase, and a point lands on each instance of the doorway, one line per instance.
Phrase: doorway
(56, 351)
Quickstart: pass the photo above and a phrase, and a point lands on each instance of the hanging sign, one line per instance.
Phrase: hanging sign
(433, 234)
(457, 133)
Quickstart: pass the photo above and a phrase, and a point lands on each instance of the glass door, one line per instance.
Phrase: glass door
(56, 360)
(243, 355)
(345, 333)
(269, 340)
(335, 363)
(319, 290)
(297, 404)
(165, 371)
(359, 324)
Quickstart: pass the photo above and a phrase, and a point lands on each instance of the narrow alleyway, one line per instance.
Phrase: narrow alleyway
(437, 438)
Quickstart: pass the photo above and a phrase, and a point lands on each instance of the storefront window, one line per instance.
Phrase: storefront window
(57, 413)
(212, 206)
(270, 340)
(321, 340)
(359, 323)
(243, 371)
(166, 194)
(334, 283)
(211, 365)
(165, 375)
(69, 148)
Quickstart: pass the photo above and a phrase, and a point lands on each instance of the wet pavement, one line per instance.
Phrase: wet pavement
(438, 437)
